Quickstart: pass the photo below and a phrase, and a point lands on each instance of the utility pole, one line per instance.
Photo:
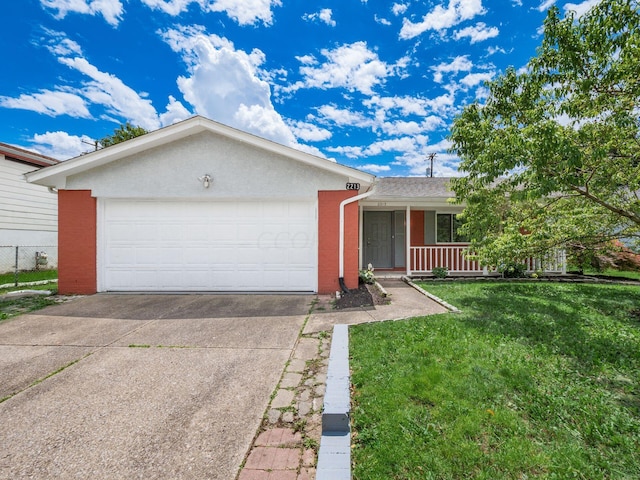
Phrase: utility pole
(431, 157)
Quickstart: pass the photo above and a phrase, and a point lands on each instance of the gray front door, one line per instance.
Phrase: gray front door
(378, 239)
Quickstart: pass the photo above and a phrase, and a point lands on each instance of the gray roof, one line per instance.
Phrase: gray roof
(412, 187)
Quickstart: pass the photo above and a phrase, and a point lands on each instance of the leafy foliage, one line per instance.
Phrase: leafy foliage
(121, 134)
(440, 272)
(555, 151)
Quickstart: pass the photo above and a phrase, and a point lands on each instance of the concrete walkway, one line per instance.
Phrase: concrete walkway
(287, 442)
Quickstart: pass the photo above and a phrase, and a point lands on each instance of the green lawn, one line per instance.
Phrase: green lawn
(610, 272)
(532, 380)
(28, 276)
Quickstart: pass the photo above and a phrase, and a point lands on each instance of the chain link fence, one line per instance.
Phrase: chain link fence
(25, 264)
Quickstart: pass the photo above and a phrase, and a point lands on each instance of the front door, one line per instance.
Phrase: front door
(378, 239)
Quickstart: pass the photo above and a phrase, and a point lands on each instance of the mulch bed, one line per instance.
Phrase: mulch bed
(363, 296)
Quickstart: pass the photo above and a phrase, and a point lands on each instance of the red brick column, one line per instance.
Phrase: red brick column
(329, 240)
(76, 242)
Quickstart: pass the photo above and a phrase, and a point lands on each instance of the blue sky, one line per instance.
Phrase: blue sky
(370, 84)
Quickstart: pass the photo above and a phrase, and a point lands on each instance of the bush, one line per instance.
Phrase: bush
(366, 276)
(440, 272)
(513, 270)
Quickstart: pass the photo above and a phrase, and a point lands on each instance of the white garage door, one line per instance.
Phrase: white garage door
(207, 246)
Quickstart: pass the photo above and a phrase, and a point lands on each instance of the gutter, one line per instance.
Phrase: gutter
(343, 204)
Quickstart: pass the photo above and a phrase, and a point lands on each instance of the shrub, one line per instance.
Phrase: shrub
(440, 272)
(513, 270)
(366, 276)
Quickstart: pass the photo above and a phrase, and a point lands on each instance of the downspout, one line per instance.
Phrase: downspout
(343, 204)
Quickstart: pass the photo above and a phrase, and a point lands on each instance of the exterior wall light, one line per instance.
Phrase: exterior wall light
(206, 180)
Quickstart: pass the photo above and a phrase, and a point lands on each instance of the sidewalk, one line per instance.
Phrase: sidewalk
(286, 447)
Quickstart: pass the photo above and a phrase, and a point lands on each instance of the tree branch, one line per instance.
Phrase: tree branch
(619, 211)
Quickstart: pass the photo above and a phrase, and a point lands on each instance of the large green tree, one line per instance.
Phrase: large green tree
(552, 156)
(121, 134)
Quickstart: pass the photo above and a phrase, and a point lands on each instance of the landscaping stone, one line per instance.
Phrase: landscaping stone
(283, 399)
(290, 380)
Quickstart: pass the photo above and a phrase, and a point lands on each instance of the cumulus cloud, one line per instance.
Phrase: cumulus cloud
(344, 117)
(48, 102)
(474, 79)
(581, 8)
(399, 8)
(441, 18)
(373, 168)
(111, 92)
(99, 89)
(111, 10)
(245, 12)
(459, 64)
(61, 145)
(477, 33)
(545, 5)
(353, 67)
(324, 15)
(309, 132)
(226, 84)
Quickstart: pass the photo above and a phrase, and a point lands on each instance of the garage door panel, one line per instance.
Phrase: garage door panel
(208, 246)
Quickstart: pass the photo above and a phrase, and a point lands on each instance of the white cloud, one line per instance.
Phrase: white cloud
(226, 84)
(353, 67)
(381, 20)
(119, 100)
(111, 92)
(478, 33)
(349, 152)
(373, 168)
(111, 10)
(399, 8)
(458, 64)
(581, 8)
(441, 18)
(245, 12)
(59, 44)
(175, 112)
(343, 117)
(474, 79)
(323, 15)
(545, 5)
(48, 102)
(61, 145)
(309, 132)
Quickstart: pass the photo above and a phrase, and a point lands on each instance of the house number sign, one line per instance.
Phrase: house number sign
(353, 186)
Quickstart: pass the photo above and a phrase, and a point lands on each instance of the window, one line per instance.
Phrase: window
(447, 225)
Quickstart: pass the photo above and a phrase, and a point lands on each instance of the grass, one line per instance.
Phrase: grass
(531, 380)
(610, 272)
(28, 276)
(12, 307)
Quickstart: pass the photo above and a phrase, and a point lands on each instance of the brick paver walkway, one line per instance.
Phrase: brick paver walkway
(286, 448)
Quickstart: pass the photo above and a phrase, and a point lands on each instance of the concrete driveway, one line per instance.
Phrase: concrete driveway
(141, 386)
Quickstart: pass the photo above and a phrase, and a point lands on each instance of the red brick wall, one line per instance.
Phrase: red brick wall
(76, 242)
(329, 240)
(417, 228)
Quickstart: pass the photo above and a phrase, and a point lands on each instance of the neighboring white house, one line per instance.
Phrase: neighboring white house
(28, 212)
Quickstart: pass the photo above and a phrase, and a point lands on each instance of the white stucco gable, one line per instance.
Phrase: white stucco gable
(168, 163)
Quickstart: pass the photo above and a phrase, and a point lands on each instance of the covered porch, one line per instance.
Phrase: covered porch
(409, 226)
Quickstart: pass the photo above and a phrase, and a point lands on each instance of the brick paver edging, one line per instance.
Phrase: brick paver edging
(334, 456)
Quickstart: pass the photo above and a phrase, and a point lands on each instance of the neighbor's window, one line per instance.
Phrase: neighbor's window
(447, 225)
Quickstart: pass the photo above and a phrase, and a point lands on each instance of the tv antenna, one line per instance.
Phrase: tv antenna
(431, 157)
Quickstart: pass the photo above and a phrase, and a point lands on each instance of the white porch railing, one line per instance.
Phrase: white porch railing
(425, 258)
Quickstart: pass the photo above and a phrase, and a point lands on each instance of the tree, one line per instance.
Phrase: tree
(121, 134)
(552, 157)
